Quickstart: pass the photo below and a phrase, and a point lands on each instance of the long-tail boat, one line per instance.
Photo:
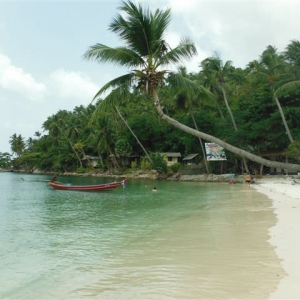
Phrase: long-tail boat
(86, 188)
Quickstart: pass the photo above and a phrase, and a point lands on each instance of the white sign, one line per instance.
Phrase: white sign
(214, 152)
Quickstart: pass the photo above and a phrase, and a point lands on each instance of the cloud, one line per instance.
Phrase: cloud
(27, 103)
(173, 39)
(239, 30)
(75, 87)
(18, 81)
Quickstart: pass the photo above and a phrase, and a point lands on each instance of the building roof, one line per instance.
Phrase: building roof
(190, 156)
(171, 154)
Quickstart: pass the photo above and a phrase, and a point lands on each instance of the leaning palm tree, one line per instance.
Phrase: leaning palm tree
(146, 53)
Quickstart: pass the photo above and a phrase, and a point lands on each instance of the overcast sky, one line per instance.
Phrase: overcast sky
(42, 44)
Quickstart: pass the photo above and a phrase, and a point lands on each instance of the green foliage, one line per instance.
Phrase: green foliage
(122, 147)
(57, 166)
(17, 144)
(27, 161)
(5, 159)
(145, 164)
(80, 170)
(293, 150)
(95, 130)
(175, 167)
(158, 163)
(133, 165)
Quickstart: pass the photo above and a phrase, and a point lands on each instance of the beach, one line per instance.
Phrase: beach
(284, 191)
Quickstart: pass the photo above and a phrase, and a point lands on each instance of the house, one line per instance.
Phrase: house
(128, 159)
(172, 157)
(190, 159)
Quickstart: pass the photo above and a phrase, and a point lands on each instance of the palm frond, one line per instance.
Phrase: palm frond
(189, 86)
(123, 80)
(186, 49)
(110, 101)
(133, 29)
(141, 30)
(120, 56)
(159, 23)
(292, 53)
(286, 86)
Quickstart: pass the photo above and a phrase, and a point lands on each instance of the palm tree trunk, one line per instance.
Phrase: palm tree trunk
(212, 139)
(219, 109)
(234, 124)
(74, 150)
(148, 156)
(283, 119)
(229, 110)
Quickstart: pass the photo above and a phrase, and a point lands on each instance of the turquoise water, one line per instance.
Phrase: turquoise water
(187, 241)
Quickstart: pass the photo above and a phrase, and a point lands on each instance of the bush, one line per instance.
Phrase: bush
(145, 164)
(158, 163)
(80, 170)
(133, 165)
(175, 167)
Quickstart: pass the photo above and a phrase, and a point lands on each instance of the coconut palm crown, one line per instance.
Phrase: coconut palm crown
(145, 52)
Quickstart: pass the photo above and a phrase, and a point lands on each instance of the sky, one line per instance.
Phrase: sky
(42, 43)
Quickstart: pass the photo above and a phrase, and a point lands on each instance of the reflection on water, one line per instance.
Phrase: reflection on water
(187, 241)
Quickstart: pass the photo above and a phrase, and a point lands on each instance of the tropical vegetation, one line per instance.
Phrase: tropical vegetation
(254, 112)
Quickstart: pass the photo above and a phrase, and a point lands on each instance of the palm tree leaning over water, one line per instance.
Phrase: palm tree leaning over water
(146, 52)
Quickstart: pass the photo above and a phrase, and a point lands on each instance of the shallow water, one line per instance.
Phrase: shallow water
(187, 241)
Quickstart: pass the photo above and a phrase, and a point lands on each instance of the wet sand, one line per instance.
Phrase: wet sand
(284, 192)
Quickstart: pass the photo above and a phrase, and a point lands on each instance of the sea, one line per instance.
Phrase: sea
(188, 240)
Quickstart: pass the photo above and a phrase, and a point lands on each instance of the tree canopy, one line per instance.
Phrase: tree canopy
(230, 106)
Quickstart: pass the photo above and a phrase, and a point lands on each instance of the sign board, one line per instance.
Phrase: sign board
(214, 152)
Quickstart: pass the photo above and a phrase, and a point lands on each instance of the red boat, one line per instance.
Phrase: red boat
(87, 188)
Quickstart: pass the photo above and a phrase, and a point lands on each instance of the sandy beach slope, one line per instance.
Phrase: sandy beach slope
(284, 192)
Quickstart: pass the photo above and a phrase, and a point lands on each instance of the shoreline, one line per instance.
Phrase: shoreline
(284, 191)
(154, 175)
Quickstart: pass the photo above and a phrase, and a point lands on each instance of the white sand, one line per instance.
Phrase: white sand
(285, 235)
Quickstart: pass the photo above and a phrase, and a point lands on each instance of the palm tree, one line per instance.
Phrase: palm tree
(292, 55)
(271, 69)
(217, 74)
(17, 144)
(5, 159)
(104, 137)
(60, 130)
(146, 53)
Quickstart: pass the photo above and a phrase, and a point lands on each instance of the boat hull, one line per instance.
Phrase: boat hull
(87, 188)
